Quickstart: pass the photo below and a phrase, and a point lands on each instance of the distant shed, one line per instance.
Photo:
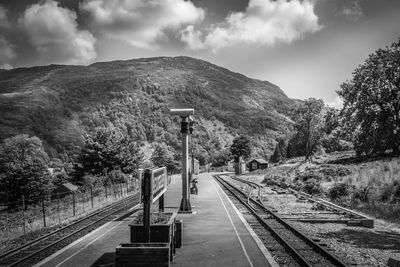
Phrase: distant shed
(257, 164)
(66, 188)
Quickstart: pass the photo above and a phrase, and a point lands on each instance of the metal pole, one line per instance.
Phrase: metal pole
(146, 205)
(161, 203)
(185, 206)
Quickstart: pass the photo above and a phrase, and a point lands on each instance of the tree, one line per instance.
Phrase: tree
(371, 102)
(241, 147)
(221, 158)
(279, 151)
(331, 119)
(163, 156)
(334, 138)
(309, 124)
(108, 149)
(23, 168)
(276, 156)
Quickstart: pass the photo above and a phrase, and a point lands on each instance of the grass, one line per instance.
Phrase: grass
(376, 173)
(56, 213)
(373, 183)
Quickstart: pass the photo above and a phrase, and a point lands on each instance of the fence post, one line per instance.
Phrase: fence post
(58, 207)
(83, 202)
(91, 195)
(106, 193)
(115, 195)
(44, 212)
(73, 202)
(23, 213)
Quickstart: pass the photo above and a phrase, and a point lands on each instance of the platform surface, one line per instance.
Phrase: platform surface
(214, 235)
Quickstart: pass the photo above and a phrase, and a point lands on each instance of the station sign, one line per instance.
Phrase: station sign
(159, 182)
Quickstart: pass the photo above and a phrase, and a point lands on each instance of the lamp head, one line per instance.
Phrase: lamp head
(183, 112)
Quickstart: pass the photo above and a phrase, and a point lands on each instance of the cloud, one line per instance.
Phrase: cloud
(192, 38)
(4, 17)
(336, 103)
(54, 32)
(353, 11)
(264, 22)
(139, 22)
(6, 53)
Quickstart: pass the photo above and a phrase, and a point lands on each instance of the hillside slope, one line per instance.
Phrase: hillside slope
(59, 103)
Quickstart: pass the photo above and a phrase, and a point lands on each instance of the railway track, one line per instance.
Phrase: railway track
(40, 248)
(288, 246)
(329, 212)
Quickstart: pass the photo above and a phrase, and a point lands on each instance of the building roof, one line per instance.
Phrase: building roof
(261, 161)
(70, 187)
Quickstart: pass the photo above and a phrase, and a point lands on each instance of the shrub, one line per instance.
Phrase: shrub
(339, 190)
(117, 176)
(385, 193)
(390, 192)
(309, 175)
(312, 187)
(318, 206)
(362, 193)
(275, 180)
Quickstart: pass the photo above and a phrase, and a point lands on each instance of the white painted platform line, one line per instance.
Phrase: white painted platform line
(234, 228)
(49, 258)
(258, 241)
(88, 244)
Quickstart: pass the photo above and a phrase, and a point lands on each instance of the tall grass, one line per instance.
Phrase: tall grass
(376, 173)
(377, 188)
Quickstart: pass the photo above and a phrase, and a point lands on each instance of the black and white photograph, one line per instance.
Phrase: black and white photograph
(200, 133)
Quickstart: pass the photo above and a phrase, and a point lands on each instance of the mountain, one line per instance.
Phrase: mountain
(61, 103)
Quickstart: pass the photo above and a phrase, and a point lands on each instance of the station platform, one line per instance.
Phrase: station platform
(215, 234)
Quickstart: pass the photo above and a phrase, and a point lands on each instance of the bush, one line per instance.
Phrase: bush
(391, 192)
(117, 176)
(339, 190)
(312, 187)
(363, 193)
(309, 175)
(275, 180)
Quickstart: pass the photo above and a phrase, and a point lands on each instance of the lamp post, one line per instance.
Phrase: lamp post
(192, 148)
(185, 115)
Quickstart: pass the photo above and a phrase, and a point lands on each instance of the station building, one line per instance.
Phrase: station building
(257, 164)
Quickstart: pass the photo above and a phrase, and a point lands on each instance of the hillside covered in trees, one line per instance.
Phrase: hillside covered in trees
(63, 104)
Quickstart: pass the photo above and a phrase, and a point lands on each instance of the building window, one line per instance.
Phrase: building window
(254, 165)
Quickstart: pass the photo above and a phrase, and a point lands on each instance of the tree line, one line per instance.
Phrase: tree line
(369, 121)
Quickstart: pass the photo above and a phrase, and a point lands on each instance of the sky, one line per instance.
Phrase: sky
(306, 47)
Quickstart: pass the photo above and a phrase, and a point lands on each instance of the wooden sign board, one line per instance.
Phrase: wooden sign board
(159, 182)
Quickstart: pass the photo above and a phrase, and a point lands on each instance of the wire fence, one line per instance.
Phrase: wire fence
(58, 208)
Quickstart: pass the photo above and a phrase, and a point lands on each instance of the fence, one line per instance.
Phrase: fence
(55, 209)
